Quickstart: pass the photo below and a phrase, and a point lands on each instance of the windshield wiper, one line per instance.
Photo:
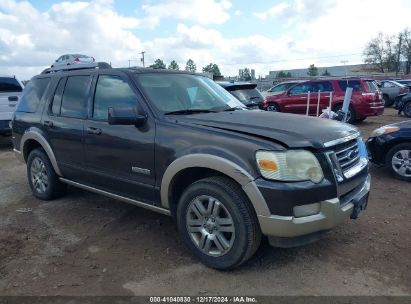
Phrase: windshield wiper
(235, 109)
(189, 111)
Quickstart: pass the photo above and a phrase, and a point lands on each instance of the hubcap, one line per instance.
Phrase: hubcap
(272, 108)
(401, 162)
(210, 226)
(38, 173)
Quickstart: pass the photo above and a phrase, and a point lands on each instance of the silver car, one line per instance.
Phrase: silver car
(72, 59)
(392, 91)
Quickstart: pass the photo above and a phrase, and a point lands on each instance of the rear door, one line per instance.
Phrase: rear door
(322, 88)
(119, 158)
(10, 92)
(64, 122)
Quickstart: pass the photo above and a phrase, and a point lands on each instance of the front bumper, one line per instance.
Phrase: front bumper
(332, 212)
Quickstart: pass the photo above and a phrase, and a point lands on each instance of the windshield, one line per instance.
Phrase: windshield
(183, 92)
(247, 96)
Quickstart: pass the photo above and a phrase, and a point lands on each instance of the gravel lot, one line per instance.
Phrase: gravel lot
(86, 244)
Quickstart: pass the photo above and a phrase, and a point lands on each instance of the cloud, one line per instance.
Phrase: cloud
(203, 12)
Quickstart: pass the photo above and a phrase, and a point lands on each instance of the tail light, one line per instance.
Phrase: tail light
(264, 103)
(77, 60)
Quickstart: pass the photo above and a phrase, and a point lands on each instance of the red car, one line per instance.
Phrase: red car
(366, 99)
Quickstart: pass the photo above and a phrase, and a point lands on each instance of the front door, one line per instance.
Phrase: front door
(119, 158)
(297, 97)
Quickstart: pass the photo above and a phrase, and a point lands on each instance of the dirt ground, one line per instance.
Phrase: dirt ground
(86, 244)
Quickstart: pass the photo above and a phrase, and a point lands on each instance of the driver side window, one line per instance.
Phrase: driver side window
(302, 88)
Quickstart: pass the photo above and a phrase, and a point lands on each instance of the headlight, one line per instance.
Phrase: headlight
(292, 165)
(384, 131)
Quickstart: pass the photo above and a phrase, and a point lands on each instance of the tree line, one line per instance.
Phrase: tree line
(385, 53)
(190, 66)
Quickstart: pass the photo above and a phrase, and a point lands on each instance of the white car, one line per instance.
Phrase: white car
(72, 60)
(10, 93)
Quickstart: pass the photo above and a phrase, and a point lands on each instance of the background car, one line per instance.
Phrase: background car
(365, 101)
(406, 82)
(70, 59)
(280, 87)
(392, 90)
(405, 104)
(390, 146)
(10, 92)
(245, 92)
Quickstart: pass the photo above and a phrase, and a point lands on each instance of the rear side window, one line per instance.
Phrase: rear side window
(322, 86)
(32, 95)
(58, 96)
(355, 84)
(74, 97)
(372, 86)
(112, 91)
(247, 96)
(302, 88)
(9, 84)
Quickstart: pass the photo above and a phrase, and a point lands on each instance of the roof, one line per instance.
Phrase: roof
(236, 84)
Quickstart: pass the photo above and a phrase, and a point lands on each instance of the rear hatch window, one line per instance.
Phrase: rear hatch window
(9, 84)
(248, 96)
(371, 86)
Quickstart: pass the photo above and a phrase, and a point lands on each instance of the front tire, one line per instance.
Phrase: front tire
(43, 180)
(217, 223)
(407, 109)
(399, 161)
(273, 108)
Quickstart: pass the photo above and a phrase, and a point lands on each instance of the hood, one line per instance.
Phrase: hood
(402, 124)
(291, 130)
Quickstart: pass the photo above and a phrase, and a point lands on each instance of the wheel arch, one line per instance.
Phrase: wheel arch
(32, 139)
(199, 166)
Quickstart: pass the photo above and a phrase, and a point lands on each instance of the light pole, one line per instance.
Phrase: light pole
(142, 58)
(345, 69)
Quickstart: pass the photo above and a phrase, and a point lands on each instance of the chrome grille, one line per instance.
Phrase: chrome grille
(347, 154)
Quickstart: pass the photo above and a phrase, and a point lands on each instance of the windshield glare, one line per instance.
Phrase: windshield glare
(180, 92)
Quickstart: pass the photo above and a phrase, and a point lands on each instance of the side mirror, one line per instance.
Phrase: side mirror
(125, 116)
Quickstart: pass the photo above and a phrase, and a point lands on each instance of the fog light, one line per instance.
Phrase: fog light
(306, 210)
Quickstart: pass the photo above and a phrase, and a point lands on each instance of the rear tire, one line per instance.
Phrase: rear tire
(350, 114)
(399, 161)
(43, 180)
(218, 223)
(387, 101)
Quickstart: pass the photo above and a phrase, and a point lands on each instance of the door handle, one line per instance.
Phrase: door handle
(94, 131)
(48, 123)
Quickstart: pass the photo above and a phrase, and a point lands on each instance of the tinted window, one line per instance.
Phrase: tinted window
(355, 84)
(111, 91)
(9, 84)
(74, 96)
(281, 87)
(32, 95)
(247, 96)
(322, 86)
(302, 88)
(58, 95)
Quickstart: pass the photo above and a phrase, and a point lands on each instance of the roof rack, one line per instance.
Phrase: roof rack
(91, 66)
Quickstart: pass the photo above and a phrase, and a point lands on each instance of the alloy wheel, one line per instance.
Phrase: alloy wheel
(401, 162)
(210, 226)
(39, 176)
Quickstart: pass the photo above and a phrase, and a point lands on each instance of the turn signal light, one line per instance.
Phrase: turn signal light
(267, 165)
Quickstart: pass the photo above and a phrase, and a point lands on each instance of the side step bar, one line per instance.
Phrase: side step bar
(117, 197)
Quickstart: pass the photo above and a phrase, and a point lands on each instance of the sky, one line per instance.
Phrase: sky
(262, 35)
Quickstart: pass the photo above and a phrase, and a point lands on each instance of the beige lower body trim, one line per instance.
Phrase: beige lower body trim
(331, 214)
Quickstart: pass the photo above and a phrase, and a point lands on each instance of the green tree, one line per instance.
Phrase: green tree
(158, 64)
(173, 65)
(326, 73)
(288, 75)
(312, 70)
(213, 69)
(281, 74)
(191, 66)
(380, 53)
(245, 74)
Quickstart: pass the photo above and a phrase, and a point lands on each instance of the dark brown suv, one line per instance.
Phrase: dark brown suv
(179, 144)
